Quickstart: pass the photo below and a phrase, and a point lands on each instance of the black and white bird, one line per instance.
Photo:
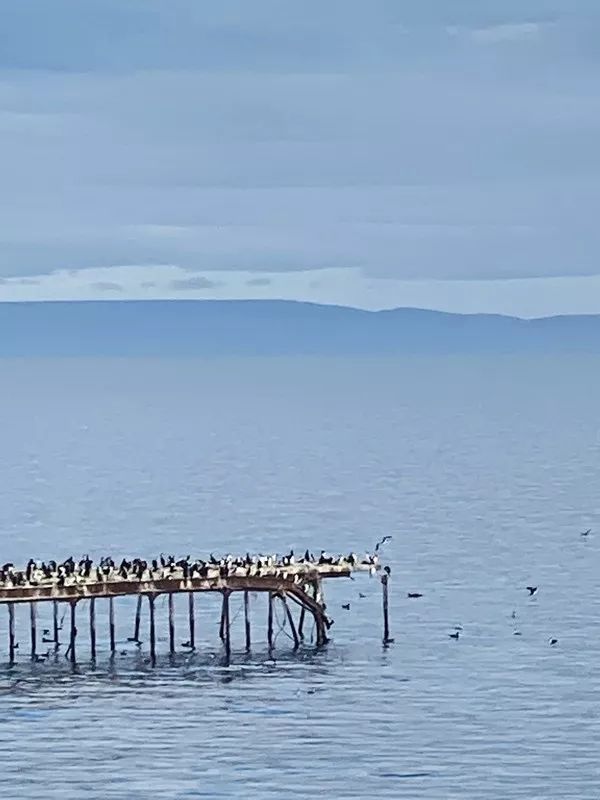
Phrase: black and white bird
(382, 542)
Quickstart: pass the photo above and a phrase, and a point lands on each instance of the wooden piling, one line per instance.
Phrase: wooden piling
(270, 622)
(93, 627)
(11, 632)
(138, 615)
(33, 619)
(226, 593)
(152, 629)
(73, 633)
(192, 621)
(55, 623)
(247, 619)
(111, 624)
(301, 623)
(171, 624)
(290, 620)
(222, 622)
(386, 620)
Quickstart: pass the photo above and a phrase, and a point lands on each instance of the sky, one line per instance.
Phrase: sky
(374, 153)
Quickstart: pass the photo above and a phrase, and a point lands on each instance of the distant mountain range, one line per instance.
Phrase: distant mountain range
(274, 327)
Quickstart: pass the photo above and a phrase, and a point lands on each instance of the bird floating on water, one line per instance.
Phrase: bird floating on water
(532, 590)
(553, 641)
(414, 595)
(586, 533)
(454, 635)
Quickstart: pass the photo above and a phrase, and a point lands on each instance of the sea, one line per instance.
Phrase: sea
(484, 471)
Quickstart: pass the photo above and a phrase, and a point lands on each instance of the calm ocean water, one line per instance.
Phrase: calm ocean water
(484, 472)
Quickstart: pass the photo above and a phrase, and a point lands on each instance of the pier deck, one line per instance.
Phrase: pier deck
(301, 583)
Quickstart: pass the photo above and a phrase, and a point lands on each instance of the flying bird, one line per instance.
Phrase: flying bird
(382, 542)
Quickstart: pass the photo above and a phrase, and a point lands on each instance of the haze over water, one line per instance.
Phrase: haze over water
(485, 471)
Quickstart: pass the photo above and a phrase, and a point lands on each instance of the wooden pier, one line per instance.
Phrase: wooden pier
(293, 586)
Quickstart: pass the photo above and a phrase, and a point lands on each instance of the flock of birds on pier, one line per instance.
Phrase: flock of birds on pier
(71, 572)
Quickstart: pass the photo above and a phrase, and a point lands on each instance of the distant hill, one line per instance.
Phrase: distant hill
(273, 327)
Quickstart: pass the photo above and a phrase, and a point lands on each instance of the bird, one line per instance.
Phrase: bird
(532, 590)
(187, 644)
(361, 595)
(586, 533)
(414, 595)
(513, 615)
(454, 635)
(346, 606)
(517, 633)
(382, 542)
(553, 641)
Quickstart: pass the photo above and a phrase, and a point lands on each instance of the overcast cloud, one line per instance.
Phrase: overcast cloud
(430, 140)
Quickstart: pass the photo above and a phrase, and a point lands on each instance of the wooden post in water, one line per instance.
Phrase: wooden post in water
(192, 621)
(138, 614)
(290, 620)
(32, 617)
(73, 635)
(226, 593)
(247, 619)
(93, 627)
(301, 623)
(11, 632)
(111, 624)
(152, 629)
(222, 622)
(270, 622)
(171, 624)
(386, 620)
(55, 623)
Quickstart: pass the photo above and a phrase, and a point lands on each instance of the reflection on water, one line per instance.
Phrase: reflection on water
(484, 472)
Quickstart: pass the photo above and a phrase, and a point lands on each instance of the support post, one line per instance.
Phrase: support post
(73, 635)
(171, 624)
(93, 627)
(270, 622)
(138, 614)
(11, 632)
(290, 620)
(192, 621)
(32, 616)
(226, 593)
(247, 619)
(386, 621)
(222, 623)
(301, 623)
(55, 623)
(152, 629)
(111, 624)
